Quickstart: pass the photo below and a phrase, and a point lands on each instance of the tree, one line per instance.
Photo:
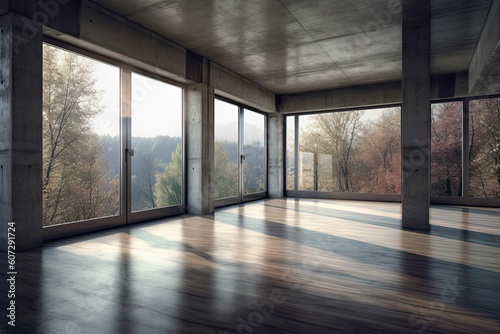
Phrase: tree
(90, 192)
(147, 180)
(225, 173)
(446, 149)
(484, 148)
(379, 157)
(253, 167)
(333, 134)
(76, 184)
(168, 186)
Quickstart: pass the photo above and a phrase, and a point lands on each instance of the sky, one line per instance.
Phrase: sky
(366, 115)
(226, 123)
(156, 105)
(157, 108)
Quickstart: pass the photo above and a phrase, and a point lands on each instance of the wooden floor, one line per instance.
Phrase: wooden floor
(273, 266)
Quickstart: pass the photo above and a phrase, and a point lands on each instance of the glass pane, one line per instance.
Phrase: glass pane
(226, 150)
(446, 149)
(254, 165)
(484, 148)
(353, 151)
(290, 153)
(157, 144)
(81, 145)
(307, 135)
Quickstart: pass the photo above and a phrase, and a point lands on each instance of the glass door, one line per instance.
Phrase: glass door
(112, 144)
(227, 174)
(254, 153)
(240, 154)
(154, 149)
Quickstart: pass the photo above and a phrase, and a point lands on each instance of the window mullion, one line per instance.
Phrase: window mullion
(465, 149)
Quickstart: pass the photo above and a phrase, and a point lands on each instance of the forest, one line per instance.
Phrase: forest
(360, 151)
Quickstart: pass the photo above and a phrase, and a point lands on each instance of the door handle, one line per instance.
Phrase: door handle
(242, 158)
(128, 153)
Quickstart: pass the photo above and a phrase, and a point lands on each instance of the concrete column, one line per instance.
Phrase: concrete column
(416, 115)
(275, 163)
(199, 110)
(20, 131)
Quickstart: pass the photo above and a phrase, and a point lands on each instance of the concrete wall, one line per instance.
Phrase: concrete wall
(20, 134)
(199, 116)
(235, 87)
(275, 155)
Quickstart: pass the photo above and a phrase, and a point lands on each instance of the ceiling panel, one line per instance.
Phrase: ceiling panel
(279, 39)
(378, 46)
(385, 71)
(312, 80)
(299, 45)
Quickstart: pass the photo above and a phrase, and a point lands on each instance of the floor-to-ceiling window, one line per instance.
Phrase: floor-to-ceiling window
(240, 153)
(344, 152)
(357, 154)
(112, 142)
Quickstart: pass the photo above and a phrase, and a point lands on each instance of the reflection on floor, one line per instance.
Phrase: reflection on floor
(273, 266)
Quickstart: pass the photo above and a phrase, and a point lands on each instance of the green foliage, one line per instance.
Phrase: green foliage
(226, 173)
(168, 186)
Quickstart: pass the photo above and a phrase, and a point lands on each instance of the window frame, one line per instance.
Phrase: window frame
(465, 199)
(242, 198)
(296, 193)
(124, 217)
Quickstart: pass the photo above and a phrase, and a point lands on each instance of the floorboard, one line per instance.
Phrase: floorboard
(272, 266)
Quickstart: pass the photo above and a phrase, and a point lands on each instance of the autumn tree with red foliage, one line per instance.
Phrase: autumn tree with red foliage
(446, 149)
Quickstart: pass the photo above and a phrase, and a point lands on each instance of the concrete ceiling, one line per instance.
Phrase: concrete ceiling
(291, 46)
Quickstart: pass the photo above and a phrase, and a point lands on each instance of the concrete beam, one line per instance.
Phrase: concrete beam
(484, 69)
(239, 89)
(454, 85)
(130, 43)
(62, 15)
(416, 115)
(447, 86)
(342, 98)
(20, 134)
(275, 160)
(199, 115)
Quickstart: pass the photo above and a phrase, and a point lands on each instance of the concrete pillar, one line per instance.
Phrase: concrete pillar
(199, 110)
(416, 115)
(20, 131)
(275, 147)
